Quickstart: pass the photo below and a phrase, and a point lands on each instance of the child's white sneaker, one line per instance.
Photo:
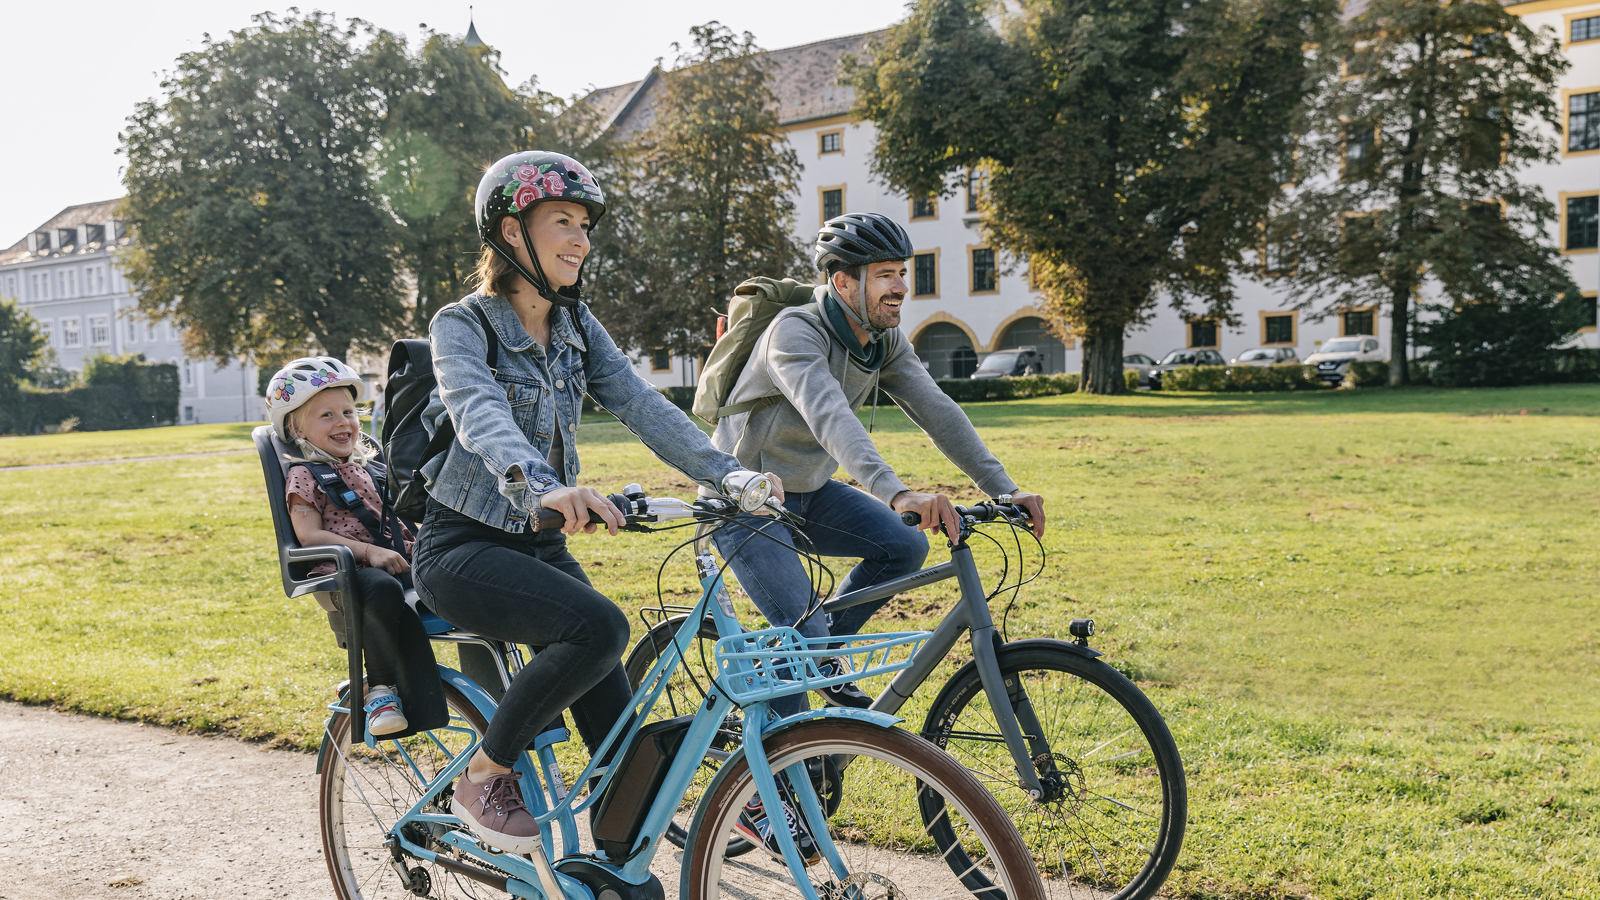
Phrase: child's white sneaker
(384, 715)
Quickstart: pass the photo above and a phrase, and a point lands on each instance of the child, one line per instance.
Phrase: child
(312, 405)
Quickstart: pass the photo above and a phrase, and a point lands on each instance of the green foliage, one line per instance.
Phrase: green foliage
(1511, 340)
(115, 393)
(256, 221)
(456, 117)
(1451, 102)
(974, 390)
(710, 188)
(1242, 378)
(1367, 374)
(22, 348)
(1130, 380)
(1128, 148)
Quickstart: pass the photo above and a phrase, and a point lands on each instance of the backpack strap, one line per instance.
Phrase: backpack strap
(343, 497)
(489, 335)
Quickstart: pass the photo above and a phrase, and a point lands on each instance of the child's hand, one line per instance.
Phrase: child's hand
(387, 560)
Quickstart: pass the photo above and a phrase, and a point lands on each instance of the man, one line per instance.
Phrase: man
(815, 365)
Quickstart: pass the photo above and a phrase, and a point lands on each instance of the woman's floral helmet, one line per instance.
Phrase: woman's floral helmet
(520, 180)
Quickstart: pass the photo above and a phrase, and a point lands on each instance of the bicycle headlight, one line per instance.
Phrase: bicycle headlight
(748, 489)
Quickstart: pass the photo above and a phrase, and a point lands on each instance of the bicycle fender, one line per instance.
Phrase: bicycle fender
(468, 688)
(880, 719)
(1000, 654)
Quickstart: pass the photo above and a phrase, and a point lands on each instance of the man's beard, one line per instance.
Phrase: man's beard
(878, 318)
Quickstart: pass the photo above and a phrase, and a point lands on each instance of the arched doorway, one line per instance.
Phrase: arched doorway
(946, 351)
(1031, 332)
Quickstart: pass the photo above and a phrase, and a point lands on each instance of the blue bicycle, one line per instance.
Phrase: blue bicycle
(858, 785)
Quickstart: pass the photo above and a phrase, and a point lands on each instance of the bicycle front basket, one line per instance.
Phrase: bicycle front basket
(777, 662)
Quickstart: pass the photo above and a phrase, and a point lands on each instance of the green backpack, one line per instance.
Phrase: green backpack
(755, 304)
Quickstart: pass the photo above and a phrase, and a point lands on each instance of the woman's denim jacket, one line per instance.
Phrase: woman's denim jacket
(505, 419)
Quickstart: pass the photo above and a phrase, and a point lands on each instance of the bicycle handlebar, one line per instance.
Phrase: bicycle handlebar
(639, 511)
(987, 511)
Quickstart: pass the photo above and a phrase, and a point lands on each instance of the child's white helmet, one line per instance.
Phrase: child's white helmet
(303, 379)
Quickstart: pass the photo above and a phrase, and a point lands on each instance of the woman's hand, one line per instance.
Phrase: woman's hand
(777, 486)
(575, 503)
(387, 560)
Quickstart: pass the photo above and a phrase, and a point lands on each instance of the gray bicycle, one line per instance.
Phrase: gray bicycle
(1077, 755)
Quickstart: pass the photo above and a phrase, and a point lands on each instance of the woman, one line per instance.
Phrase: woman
(480, 560)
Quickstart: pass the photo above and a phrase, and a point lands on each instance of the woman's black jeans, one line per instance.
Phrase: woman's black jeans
(527, 589)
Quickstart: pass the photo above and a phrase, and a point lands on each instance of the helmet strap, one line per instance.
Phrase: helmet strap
(850, 310)
(543, 284)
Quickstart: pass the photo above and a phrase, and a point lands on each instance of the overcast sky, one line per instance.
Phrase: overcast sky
(73, 71)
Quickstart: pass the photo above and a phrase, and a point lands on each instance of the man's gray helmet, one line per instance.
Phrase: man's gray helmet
(859, 239)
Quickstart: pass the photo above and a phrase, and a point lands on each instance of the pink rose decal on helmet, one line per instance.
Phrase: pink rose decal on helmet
(527, 174)
(554, 185)
(579, 172)
(525, 196)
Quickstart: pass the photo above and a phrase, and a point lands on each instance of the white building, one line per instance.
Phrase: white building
(65, 275)
(967, 303)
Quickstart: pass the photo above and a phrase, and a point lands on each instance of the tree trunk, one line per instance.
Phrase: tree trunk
(1399, 335)
(1102, 361)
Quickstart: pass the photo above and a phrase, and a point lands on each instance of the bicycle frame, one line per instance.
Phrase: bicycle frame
(1023, 734)
(535, 876)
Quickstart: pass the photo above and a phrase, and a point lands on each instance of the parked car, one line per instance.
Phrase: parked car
(1267, 356)
(1138, 362)
(1179, 359)
(1008, 363)
(1333, 359)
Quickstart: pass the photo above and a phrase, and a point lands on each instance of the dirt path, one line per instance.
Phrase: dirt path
(89, 803)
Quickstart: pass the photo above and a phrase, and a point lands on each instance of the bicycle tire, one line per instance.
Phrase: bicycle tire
(1115, 826)
(358, 862)
(889, 771)
(681, 699)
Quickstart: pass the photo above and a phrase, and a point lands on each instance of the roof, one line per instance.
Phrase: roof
(805, 79)
(97, 213)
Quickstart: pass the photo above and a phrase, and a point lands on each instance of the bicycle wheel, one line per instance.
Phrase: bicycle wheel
(680, 698)
(1112, 819)
(362, 788)
(877, 828)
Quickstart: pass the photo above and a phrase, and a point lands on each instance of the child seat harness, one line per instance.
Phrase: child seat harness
(386, 533)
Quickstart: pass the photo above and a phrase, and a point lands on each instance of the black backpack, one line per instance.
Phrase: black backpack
(406, 444)
(405, 441)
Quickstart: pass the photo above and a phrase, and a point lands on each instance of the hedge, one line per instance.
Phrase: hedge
(1242, 378)
(124, 392)
(962, 390)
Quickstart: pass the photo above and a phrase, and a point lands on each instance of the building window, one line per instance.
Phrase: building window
(1580, 223)
(66, 238)
(188, 374)
(984, 277)
(1277, 329)
(150, 336)
(11, 286)
(99, 275)
(46, 328)
(188, 414)
(99, 331)
(924, 208)
(977, 189)
(1583, 122)
(925, 275)
(832, 141)
(133, 330)
(946, 351)
(94, 234)
(832, 202)
(661, 360)
(70, 335)
(1584, 29)
(1202, 333)
(1360, 151)
(1591, 317)
(1357, 321)
(119, 229)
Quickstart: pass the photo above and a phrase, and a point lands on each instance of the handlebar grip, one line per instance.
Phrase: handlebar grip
(550, 518)
(911, 518)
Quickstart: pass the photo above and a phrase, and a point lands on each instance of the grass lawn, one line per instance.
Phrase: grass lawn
(79, 446)
(1369, 617)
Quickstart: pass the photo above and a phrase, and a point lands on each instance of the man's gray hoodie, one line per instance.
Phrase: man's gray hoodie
(807, 428)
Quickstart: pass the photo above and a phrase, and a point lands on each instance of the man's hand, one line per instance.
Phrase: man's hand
(935, 510)
(1034, 504)
(575, 503)
(387, 560)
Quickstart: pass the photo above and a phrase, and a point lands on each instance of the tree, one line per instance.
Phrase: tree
(1504, 340)
(257, 226)
(706, 199)
(1423, 116)
(456, 118)
(1128, 148)
(22, 350)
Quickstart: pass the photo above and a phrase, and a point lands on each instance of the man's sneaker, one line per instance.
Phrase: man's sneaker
(847, 694)
(384, 715)
(756, 827)
(494, 810)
